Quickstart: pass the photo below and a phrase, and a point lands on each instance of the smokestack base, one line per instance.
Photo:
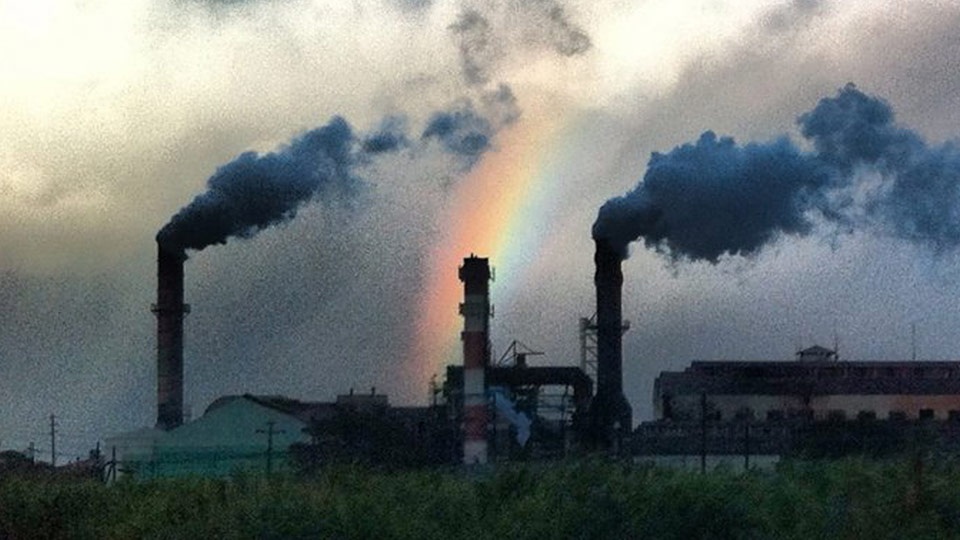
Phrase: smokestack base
(611, 422)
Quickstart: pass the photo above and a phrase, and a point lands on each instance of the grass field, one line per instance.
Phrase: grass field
(850, 498)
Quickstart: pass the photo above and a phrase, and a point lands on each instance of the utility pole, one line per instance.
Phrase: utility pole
(270, 432)
(746, 445)
(112, 475)
(33, 452)
(913, 341)
(53, 440)
(703, 433)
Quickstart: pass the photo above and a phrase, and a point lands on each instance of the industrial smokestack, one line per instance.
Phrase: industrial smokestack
(170, 311)
(610, 412)
(475, 275)
(256, 191)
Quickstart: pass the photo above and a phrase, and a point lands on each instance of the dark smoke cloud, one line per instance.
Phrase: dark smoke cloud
(461, 131)
(467, 133)
(712, 197)
(256, 191)
(703, 200)
(854, 128)
(391, 136)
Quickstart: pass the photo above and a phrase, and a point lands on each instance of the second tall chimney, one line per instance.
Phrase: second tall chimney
(612, 417)
(170, 311)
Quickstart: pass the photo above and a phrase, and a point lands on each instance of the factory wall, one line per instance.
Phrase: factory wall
(817, 390)
(760, 407)
(225, 439)
(882, 406)
(727, 407)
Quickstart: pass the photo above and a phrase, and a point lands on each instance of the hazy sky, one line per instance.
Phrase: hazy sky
(114, 113)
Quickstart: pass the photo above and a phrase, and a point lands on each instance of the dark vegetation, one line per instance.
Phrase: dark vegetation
(851, 498)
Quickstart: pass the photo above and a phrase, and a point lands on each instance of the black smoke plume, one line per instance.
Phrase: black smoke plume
(711, 198)
(461, 131)
(256, 191)
(467, 133)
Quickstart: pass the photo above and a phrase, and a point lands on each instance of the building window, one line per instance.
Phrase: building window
(926, 414)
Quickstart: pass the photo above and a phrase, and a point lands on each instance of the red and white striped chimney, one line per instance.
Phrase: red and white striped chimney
(475, 275)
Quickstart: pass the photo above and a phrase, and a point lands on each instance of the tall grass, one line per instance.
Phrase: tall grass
(851, 498)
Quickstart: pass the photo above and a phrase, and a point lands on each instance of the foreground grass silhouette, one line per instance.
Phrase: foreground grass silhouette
(851, 498)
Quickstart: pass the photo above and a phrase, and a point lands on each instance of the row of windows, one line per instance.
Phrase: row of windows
(839, 414)
(777, 415)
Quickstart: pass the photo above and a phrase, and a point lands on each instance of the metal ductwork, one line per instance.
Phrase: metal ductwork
(170, 311)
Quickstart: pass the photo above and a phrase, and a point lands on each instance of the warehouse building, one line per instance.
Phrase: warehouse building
(816, 386)
(816, 405)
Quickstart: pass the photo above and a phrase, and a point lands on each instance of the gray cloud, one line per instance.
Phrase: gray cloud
(412, 6)
(478, 47)
(555, 29)
(792, 14)
(487, 35)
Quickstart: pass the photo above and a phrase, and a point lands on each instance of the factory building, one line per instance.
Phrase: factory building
(234, 433)
(275, 433)
(513, 408)
(816, 386)
(816, 405)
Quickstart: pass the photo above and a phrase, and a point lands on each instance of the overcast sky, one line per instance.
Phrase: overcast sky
(114, 114)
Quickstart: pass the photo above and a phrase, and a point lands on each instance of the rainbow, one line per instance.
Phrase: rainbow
(500, 210)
